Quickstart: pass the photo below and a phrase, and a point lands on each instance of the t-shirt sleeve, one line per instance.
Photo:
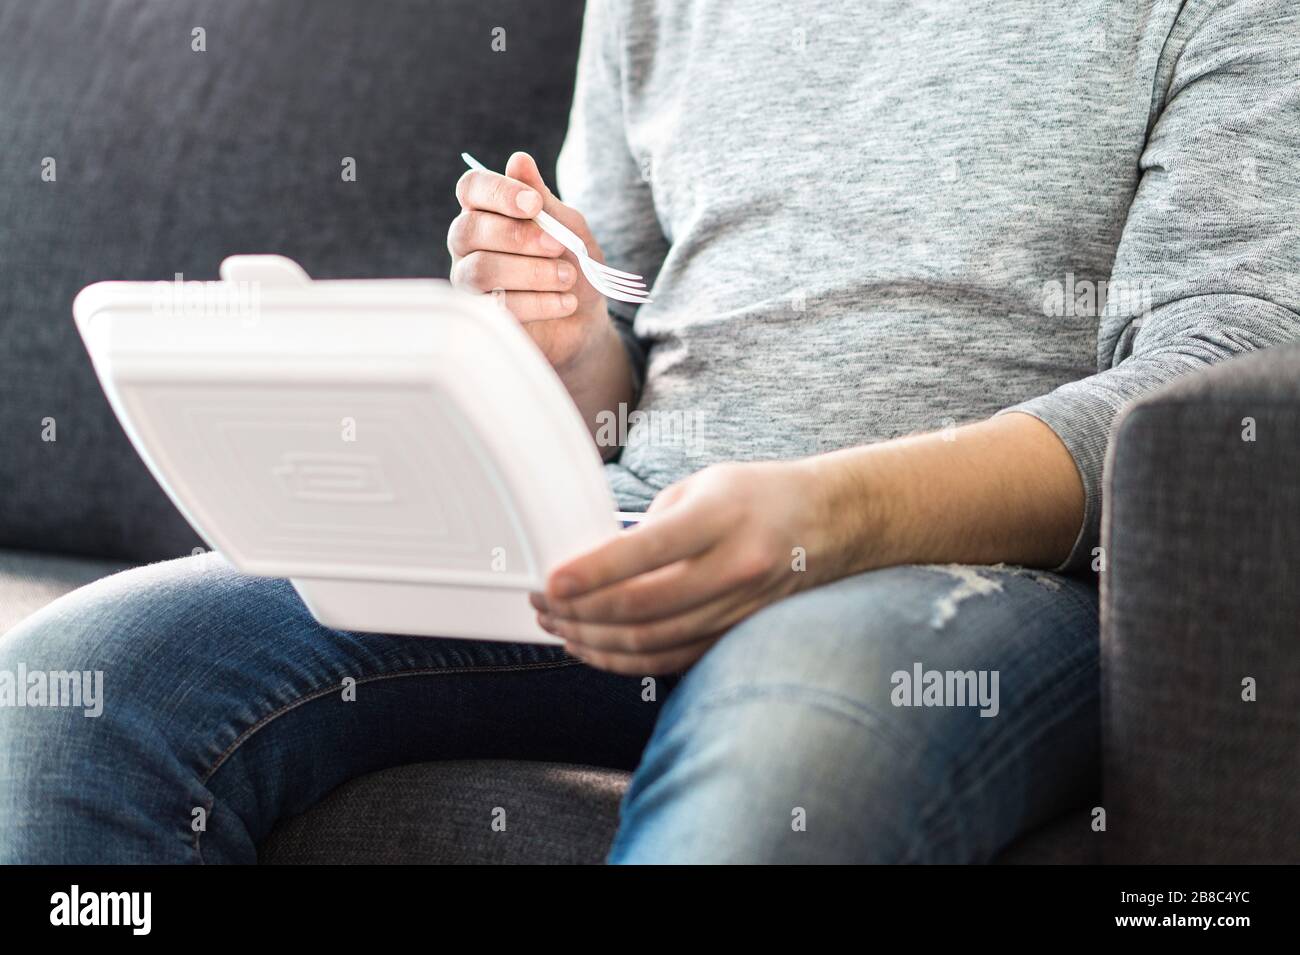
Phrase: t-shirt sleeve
(1208, 265)
(598, 174)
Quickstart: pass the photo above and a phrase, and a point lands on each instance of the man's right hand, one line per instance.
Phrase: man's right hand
(497, 247)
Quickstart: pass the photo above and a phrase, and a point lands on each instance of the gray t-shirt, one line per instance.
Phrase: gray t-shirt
(868, 218)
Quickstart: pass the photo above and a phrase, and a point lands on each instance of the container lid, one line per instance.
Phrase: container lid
(392, 429)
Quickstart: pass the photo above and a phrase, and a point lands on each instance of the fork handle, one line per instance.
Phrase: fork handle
(562, 234)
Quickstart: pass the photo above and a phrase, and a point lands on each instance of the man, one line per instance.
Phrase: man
(909, 262)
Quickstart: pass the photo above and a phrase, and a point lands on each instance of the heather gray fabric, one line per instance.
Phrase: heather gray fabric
(1200, 594)
(28, 581)
(167, 160)
(872, 219)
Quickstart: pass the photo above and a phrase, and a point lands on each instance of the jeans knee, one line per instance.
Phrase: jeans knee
(788, 740)
(54, 670)
(778, 774)
(89, 722)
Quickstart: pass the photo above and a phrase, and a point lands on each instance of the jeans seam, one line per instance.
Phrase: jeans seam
(1089, 604)
(851, 709)
(936, 809)
(324, 691)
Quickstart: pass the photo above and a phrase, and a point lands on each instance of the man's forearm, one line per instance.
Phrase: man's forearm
(1000, 490)
(600, 380)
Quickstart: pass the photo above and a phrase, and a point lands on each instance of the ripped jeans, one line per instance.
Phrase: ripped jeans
(910, 714)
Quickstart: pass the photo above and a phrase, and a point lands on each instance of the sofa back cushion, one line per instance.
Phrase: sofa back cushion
(131, 153)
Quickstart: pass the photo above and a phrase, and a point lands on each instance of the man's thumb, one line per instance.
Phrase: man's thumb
(522, 167)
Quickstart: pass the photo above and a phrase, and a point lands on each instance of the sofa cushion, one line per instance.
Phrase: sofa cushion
(28, 581)
(1068, 839)
(444, 813)
(1201, 662)
(167, 159)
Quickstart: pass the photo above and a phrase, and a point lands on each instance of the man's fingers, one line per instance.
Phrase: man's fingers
(482, 271)
(540, 306)
(677, 660)
(472, 231)
(666, 591)
(492, 192)
(696, 628)
(676, 535)
(658, 637)
(489, 192)
(654, 636)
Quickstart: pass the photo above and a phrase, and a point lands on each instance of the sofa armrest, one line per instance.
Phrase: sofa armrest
(1201, 541)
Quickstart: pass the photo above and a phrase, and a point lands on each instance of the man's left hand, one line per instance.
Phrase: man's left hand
(712, 549)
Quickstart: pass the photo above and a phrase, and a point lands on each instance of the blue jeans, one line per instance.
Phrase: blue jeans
(803, 735)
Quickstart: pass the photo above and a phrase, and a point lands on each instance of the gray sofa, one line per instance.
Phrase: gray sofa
(169, 159)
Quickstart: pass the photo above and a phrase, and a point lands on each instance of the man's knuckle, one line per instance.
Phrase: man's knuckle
(658, 549)
(752, 564)
(501, 193)
(521, 233)
(545, 274)
(475, 270)
(463, 187)
(458, 234)
(636, 637)
(623, 606)
(524, 305)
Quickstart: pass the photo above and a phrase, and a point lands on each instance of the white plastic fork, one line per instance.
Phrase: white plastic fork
(609, 282)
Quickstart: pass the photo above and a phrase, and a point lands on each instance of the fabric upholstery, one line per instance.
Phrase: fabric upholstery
(444, 813)
(168, 159)
(1066, 840)
(1200, 594)
(28, 581)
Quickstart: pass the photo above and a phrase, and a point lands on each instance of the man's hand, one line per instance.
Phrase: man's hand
(729, 540)
(712, 550)
(496, 246)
